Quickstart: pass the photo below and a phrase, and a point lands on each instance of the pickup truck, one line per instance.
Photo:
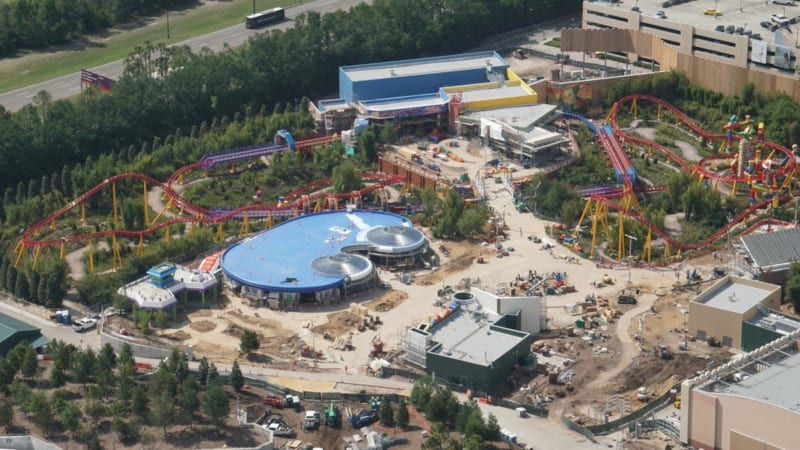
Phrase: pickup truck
(85, 324)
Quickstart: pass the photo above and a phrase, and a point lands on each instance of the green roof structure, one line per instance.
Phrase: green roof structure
(14, 331)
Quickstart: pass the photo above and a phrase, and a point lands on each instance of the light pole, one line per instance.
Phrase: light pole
(167, 24)
(630, 244)
(254, 6)
(795, 202)
(716, 3)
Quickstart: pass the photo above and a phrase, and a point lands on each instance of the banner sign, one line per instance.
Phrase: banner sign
(95, 79)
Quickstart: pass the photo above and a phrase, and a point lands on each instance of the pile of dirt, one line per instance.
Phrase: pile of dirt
(650, 371)
(179, 335)
(462, 255)
(203, 326)
(339, 323)
(387, 302)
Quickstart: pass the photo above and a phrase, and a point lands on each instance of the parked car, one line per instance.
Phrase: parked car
(636, 9)
(784, 2)
(766, 24)
(720, 28)
(730, 29)
(85, 324)
(712, 12)
(626, 300)
(739, 30)
(660, 14)
(756, 36)
(780, 19)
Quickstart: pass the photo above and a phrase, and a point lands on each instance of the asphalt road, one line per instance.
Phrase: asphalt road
(69, 85)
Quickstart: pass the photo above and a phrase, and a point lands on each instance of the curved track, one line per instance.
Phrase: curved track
(613, 154)
(298, 200)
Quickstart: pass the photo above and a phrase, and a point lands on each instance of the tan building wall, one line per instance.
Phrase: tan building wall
(720, 76)
(716, 323)
(719, 421)
(720, 323)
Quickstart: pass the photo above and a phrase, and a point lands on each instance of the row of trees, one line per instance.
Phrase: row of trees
(111, 393)
(36, 24)
(446, 413)
(164, 89)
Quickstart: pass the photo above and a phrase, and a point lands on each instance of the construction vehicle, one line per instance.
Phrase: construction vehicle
(332, 417)
(662, 351)
(275, 401)
(607, 279)
(308, 352)
(677, 402)
(311, 420)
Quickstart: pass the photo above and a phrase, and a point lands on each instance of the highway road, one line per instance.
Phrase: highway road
(69, 85)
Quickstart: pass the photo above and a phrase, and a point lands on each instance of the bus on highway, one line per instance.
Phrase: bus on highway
(263, 18)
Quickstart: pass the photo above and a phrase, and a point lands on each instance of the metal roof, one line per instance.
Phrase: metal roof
(730, 295)
(775, 250)
(424, 66)
(9, 326)
(496, 93)
(467, 336)
(520, 117)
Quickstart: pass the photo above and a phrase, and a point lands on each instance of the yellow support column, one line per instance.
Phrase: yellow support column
(167, 234)
(269, 219)
(114, 203)
(586, 209)
(646, 255)
(192, 225)
(620, 237)
(53, 224)
(245, 230)
(634, 110)
(220, 235)
(140, 247)
(146, 208)
(83, 214)
(658, 114)
(91, 257)
(116, 258)
(61, 252)
(19, 249)
(667, 253)
(36, 256)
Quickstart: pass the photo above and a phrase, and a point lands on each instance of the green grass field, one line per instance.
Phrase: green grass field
(33, 68)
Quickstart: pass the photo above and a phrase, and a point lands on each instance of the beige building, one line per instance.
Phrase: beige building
(750, 403)
(719, 311)
(690, 31)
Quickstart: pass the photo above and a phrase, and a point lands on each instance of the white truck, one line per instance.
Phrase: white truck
(85, 324)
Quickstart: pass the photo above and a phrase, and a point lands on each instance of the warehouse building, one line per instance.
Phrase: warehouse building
(749, 403)
(768, 255)
(14, 331)
(470, 347)
(736, 312)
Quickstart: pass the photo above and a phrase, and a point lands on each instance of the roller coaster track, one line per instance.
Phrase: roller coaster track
(295, 201)
(634, 214)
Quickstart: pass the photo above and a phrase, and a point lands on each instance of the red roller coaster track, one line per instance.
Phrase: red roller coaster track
(295, 200)
(613, 156)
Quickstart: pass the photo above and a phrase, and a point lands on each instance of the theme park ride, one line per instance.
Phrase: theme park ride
(304, 200)
(766, 169)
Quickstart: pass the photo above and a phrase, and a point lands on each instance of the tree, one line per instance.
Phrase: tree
(188, 401)
(213, 374)
(161, 319)
(388, 134)
(139, 401)
(216, 403)
(385, 413)
(202, 371)
(70, 417)
(366, 146)
(30, 363)
(38, 406)
(237, 380)
(161, 411)
(792, 292)
(249, 341)
(345, 178)
(6, 413)
(402, 417)
(492, 428)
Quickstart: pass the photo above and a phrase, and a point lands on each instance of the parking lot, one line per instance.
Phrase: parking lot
(732, 15)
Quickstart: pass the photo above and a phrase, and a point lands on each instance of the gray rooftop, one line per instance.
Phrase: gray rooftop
(729, 295)
(774, 385)
(520, 117)
(775, 250)
(468, 337)
(494, 92)
(422, 66)
(414, 101)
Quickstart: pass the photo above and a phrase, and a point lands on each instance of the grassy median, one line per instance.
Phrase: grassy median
(34, 67)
